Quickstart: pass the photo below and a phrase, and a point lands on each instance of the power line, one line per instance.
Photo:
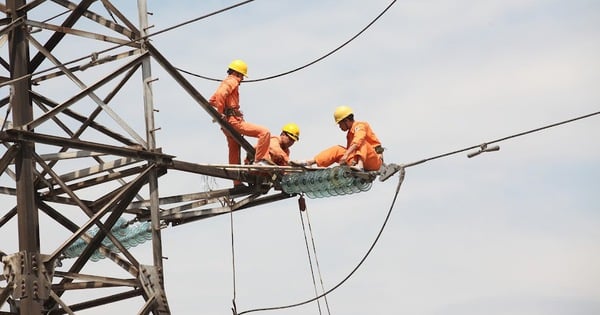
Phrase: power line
(482, 146)
(125, 43)
(306, 65)
(387, 217)
(401, 169)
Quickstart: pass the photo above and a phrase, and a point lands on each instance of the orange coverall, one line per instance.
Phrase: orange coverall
(363, 136)
(227, 101)
(277, 154)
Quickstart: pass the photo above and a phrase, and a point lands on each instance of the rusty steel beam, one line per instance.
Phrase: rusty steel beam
(266, 200)
(207, 213)
(84, 34)
(13, 135)
(55, 119)
(8, 216)
(30, 6)
(87, 122)
(109, 6)
(57, 36)
(87, 285)
(63, 200)
(101, 301)
(84, 277)
(188, 87)
(103, 167)
(98, 180)
(139, 208)
(8, 157)
(5, 293)
(102, 227)
(10, 25)
(185, 198)
(212, 171)
(128, 31)
(118, 204)
(91, 64)
(69, 155)
(69, 225)
(83, 93)
(22, 111)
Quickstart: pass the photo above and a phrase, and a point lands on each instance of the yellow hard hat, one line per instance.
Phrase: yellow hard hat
(292, 130)
(239, 66)
(342, 112)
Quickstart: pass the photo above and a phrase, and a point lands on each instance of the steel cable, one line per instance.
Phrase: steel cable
(312, 239)
(124, 44)
(306, 65)
(501, 139)
(312, 270)
(401, 179)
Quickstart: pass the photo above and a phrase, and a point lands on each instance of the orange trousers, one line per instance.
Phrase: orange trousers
(371, 160)
(251, 130)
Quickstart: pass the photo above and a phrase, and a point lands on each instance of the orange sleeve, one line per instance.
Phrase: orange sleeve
(220, 97)
(360, 133)
(278, 155)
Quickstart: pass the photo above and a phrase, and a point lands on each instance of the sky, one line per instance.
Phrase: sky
(515, 231)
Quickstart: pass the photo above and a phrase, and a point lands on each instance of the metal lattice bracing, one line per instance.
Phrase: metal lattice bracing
(76, 157)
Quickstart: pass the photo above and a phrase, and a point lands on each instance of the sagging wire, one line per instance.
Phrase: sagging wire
(233, 273)
(402, 170)
(304, 66)
(125, 43)
(312, 272)
(401, 179)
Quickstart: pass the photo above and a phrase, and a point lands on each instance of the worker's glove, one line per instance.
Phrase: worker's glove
(222, 118)
(299, 163)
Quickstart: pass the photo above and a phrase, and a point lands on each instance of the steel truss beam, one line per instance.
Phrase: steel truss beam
(59, 156)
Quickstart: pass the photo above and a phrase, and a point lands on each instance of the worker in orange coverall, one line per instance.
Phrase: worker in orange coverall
(279, 149)
(227, 102)
(363, 151)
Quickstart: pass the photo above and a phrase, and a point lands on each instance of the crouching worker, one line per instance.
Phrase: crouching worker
(363, 151)
(279, 146)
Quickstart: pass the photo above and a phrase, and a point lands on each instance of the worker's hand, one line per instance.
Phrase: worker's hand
(343, 160)
(222, 118)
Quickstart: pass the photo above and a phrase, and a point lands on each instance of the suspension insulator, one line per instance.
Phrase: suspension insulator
(323, 183)
(128, 235)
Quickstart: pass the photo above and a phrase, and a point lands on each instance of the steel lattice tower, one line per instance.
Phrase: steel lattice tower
(77, 161)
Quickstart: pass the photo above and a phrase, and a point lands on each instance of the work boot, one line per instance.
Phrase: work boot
(264, 162)
(302, 162)
(358, 167)
(298, 163)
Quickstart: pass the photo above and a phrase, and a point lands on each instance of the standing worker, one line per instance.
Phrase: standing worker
(227, 102)
(363, 151)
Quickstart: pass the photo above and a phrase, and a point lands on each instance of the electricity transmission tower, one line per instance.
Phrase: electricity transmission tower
(77, 166)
